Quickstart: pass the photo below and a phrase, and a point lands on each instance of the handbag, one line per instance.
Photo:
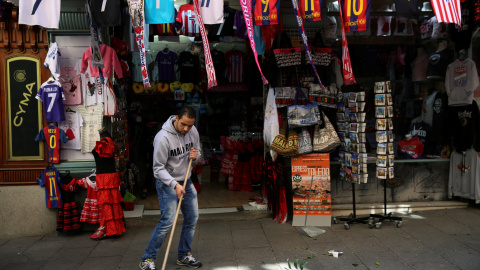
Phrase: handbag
(286, 145)
(304, 142)
(303, 115)
(325, 139)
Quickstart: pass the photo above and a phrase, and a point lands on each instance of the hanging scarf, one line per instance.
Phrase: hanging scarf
(136, 13)
(247, 16)
(97, 60)
(346, 64)
(212, 79)
(296, 9)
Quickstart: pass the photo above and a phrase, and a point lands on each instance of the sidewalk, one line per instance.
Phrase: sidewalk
(435, 239)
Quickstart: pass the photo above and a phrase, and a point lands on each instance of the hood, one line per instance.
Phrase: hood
(168, 126)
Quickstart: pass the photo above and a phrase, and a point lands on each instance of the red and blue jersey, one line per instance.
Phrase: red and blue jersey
(310, 10)
(356, 15)
(50, 179)
(266, 12)
(52, 136)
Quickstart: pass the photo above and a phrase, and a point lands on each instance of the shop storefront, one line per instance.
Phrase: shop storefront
(385, 112)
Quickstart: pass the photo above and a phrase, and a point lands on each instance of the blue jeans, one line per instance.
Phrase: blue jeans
(168, 206)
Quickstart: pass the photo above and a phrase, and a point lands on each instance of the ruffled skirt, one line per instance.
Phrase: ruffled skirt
(109, 199)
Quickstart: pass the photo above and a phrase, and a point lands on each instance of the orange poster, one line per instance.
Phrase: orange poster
(311, 178)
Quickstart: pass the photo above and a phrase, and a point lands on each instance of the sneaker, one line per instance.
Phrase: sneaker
(148, 264)
(189, 261)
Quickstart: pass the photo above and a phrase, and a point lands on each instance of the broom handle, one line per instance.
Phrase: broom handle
(176, 216)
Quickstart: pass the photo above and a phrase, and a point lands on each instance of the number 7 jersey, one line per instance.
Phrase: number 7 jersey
(51, 95)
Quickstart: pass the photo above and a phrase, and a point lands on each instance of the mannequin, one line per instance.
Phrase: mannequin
(439, 60)
(442, 45)
(420, 65)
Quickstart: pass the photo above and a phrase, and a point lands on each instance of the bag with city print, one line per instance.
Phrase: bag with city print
(286, 142)
(304, 142)
(325, 139)
(303, 115)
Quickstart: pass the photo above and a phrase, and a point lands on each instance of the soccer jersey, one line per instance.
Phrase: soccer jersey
(52, 136)
(71, 84)
(186, 17)
(50, 179)
(266, 12)
(356, 15)
(51, 95)
(188, 64)
(45, 13)
(137, 67)
(159, 11)
(218, 59)
(225, 28)
(310, 10)
(212, 11)
(165, 61)
(71, 126)
(51, 61)
(92, 122)
(235, 62)
(240, 26)
(105, 13)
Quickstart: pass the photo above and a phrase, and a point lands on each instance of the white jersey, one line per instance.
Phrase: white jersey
(92, 122)
(72, 124)
(45, 13)
(212, 11)
(51, 61)
(160, 11)
(90, 92)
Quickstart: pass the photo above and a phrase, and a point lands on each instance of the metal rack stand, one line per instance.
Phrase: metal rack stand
(352, 218)
(378, 224)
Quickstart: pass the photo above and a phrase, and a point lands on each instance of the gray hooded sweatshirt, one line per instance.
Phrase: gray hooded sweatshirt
(171, 153)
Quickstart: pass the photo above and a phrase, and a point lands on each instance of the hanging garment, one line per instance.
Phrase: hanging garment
(270, 125)
(92, 122)
(110, 61)
(464, 175)
(68, 217)
(50, 179)
(461, 81)
(159, 11)
(52, 136)
(105, 13)
(71, 126)
(91, 211)
(37, 12)
(71, 84)
(51, 95)
(229, 156)
(51, 61)
(136, 13)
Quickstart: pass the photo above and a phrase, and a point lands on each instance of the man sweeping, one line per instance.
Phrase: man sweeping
(173, 149)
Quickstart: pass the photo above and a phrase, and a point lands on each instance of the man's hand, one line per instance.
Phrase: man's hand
(179, 190)
(193, 153)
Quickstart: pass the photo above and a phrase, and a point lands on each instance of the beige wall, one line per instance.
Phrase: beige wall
(23, 212)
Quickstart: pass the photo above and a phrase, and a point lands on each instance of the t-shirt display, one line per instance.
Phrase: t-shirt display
(212, 11)
(37, 12)
(189, 65)
(218, 59)
(50, 179)
(159, 11)
(137, 67)
(463, 180)
(51, 61)
(464, 126)
(412, 148)
(186, 17)
(71, 126)
(460, 81)
(105, 13)
(71, 83)
(110, 62)
(92, 89)
(439, 62)
(52, 136)
(310, 10)
(240, 26)
(165, 62)
(226, 28)
(235, 64)
(266, 12)
(51, 95)
(92, 122)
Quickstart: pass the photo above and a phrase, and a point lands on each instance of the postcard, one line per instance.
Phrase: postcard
(381, 124)
(382, 136)
(381, 173)
(380, 112)
(382, 148)
(379, 87)
(382, 161)
(380, 100)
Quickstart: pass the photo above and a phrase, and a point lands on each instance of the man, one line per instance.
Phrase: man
(173, 149)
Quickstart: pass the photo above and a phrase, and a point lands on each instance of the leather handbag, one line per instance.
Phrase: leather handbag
(303, 115)
(326, 139)
(304, 142)
(286, 142)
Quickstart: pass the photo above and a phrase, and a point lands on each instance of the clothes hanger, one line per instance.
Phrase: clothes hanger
(166, 49)
(51, 79)
(94, 173)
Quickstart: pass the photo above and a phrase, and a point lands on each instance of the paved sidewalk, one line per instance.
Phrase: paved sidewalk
(435, 239)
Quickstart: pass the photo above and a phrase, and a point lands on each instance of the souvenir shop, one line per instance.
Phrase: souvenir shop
(294, 102)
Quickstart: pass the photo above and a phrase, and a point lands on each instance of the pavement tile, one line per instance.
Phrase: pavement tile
(462, 256)
(30, 266)
(472, 241)
(3, 241)
(11, 256)
(383, 260)
(111, 247)
(209, 256)
(220, 265)
(433, 265)
(215, 245)
(213, 232)
(101, 263)
(255, 256)
(245, 238)
(245, 224)
(345, 260)
(41, 251)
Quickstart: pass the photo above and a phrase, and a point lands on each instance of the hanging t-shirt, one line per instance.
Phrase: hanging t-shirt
(137, 67)
(464, 126)
(235, 63)
(186, 17)
(92, 122)
(159, 11)
(188, 64)
(105, 13)
(51, 95)
(45, 13)
(218, 59)
(71, 84)
(225, 28)
(422, 130)
(463, 180)
(165, 61)
(460, 82)
(72, 125)
(356, 15)
(166, 29)
(50, 179)
(403, 27)
(310, 10)
(91, 92)
(212, 11)
(52, 136)
(438, 121)
(439, 62)
(266, 12)
(51, 61)
(240, 26)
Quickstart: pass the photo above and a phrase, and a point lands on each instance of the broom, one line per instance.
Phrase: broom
(176, 216)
